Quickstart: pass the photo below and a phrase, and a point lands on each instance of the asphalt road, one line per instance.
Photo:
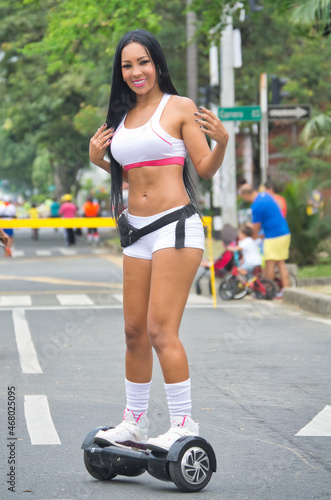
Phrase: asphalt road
(260, 374)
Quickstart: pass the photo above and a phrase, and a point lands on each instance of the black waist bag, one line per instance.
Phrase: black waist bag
(130, 234)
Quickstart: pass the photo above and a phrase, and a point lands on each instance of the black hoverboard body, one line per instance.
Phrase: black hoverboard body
(189, 463)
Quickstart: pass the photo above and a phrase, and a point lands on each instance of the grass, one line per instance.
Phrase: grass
(320, 270)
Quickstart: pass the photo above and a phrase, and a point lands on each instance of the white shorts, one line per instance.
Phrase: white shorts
(165, 236)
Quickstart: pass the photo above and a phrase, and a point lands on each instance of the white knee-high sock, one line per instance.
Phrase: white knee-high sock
(179, 398)
(137, 397)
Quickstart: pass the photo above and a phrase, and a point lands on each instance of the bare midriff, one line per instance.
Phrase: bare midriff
(155, 189)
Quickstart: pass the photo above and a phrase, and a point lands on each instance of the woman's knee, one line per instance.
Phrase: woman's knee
(159, 336)
(136, 337)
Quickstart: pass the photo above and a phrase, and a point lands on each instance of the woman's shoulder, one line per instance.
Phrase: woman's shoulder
(182, 106)
(183, 103)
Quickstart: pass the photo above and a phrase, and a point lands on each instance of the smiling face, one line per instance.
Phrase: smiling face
(138, 69)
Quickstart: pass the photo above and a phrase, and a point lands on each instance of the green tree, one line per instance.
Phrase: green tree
(55, 73)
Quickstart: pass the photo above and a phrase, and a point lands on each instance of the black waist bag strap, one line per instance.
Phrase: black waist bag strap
(179, 215)
(188, 210)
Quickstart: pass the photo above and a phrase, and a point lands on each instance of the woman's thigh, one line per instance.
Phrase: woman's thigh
(173, 272)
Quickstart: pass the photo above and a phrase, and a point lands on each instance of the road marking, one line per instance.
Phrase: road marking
(39, 420)
(59, 281)
(320, 320)
(75, 300)
(43, 253)
(195, 299)
(319, 425)
(118, 296)
(68, 251)
(15, 300)
(99, 251)
(26, 349)
(17, 253)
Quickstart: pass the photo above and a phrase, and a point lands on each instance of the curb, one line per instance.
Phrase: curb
(314, 281)
(310, 301)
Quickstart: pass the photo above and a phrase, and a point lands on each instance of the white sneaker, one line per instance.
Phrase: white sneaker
(179, 427)
(131, 431)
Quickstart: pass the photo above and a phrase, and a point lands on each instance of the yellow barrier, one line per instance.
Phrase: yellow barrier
(208, 222)
(58, 222)
(80, 222)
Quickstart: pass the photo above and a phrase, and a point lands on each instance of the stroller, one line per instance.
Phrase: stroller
(224, 263)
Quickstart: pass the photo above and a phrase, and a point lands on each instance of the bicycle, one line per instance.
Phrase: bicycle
(236, 286)
(293, 281)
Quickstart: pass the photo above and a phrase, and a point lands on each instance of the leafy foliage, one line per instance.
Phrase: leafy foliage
(306, 230)
(317, 134)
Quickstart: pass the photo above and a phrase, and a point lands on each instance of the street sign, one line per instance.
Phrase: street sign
(241, 113)
(299, 112)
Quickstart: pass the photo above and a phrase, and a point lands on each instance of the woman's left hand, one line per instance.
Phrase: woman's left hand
(211, 125)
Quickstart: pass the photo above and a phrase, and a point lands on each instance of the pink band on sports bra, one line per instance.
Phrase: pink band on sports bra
(177, 160)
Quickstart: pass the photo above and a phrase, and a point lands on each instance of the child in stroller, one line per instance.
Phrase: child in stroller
(225, 262)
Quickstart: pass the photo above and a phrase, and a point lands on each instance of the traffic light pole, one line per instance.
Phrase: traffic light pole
(264, 131)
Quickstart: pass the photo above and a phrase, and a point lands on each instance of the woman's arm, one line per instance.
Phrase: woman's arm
(98, 145)
(196, 124)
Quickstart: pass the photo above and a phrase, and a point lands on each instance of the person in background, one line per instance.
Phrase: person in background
(251, 256)
(34, 214)
(267, 216)
(91, 209)
(55, 207)
(8, 211)
(4, 242)
(54, 210)
(68, 210)
(3, 237)
(269, 188)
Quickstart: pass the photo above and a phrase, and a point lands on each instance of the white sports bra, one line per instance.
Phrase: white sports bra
(148, 145)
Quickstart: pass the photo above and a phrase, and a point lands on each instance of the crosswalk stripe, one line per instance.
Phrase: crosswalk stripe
(26, 349)
(100, 251)
(43, 253)
(320, 425)
(17, 253)
(39, 420)
(119, 297)
(67, 251)
(75, 300)
(15, 300)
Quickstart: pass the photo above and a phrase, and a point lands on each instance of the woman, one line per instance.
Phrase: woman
(148, 133)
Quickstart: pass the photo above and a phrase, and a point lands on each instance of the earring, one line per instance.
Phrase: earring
(160, 71)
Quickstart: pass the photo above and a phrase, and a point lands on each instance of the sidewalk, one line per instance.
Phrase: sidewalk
(316, 302)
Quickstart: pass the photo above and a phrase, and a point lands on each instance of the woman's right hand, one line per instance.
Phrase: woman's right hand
(99, 143)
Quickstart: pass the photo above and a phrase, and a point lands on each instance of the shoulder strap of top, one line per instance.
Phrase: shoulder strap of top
(160, 108)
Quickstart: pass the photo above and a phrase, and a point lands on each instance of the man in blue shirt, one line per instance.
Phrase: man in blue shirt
(266, 215)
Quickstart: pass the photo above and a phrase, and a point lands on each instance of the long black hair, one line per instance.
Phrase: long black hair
(122, 99)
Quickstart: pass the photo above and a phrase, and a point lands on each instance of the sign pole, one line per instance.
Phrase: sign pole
(264, 131)
(216, 180)
(228, 169)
